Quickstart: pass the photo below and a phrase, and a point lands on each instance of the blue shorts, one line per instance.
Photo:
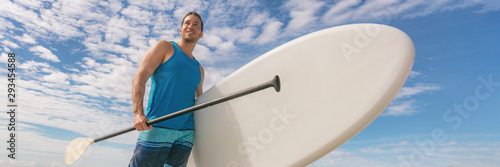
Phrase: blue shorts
(162, 148)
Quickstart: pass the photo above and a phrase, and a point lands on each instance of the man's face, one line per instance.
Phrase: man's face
(191, 29)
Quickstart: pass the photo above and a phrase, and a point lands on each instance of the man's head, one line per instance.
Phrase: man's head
(192, 28)
(195, 14)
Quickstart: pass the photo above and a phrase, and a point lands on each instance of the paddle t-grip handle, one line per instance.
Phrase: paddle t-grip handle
(275, 83)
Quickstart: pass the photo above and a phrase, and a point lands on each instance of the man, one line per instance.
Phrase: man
(176, 81)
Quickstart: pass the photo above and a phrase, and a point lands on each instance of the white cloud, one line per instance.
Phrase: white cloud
(37, 150)
(397, 150)
(44, 53)
(220, 44)
(48, 23)
(4, 57)
(57, 77)
(117, 30)
(344, 157)
(403, 104)
(418, 89)
(408, 107)
(154, 4)
(18, 163)
(257, 18)
(339, 11)
(10, 44)
(75, 112)
(399, 143)
(243, 36)
(203, 54)
(45, 75)
(33, 65)
(17, 12)
(214, 75)
(165, 27)
(49, 100)
(303, 14)
(26, 39)
(217, 13)
(6, 25)
(33, 4)
(78, 11)
(218, 37)
(111, 80)
(137, 16)
(428, 8)
(385, 11)
(414, 74)
(271, 31)
(212, 40)
(490, 5)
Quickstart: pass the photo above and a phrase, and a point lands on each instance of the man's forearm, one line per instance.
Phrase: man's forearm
(138, 89)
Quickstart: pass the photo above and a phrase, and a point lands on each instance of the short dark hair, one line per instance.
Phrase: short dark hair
(197, 15)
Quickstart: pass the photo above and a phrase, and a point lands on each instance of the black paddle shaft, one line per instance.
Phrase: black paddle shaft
(275, 83)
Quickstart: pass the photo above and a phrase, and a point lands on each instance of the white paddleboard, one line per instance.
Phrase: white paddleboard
(334, 82)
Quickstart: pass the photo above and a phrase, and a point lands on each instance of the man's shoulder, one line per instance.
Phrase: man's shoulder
(164, 43)
(163, 46)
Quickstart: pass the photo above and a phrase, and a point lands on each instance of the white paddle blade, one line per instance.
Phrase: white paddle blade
(75, 149)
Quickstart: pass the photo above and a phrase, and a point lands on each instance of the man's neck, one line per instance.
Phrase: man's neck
(186, 47)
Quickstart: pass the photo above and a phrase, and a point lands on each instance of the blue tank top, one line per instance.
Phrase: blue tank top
(173, 86)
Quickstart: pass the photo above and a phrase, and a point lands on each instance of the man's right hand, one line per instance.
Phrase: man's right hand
(140, 122)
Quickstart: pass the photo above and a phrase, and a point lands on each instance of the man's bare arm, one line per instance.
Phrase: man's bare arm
(199, 89)
(156, 55)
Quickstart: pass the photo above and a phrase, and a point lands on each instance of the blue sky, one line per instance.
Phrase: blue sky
(76, 60)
